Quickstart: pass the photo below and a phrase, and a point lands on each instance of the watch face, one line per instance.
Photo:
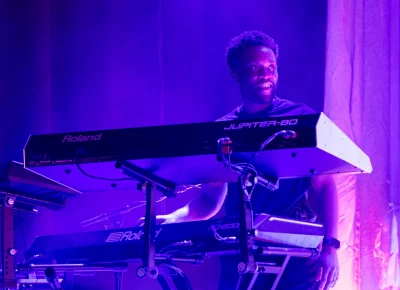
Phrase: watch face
(332, 242)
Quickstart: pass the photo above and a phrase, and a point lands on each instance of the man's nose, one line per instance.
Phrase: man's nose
(264, 72)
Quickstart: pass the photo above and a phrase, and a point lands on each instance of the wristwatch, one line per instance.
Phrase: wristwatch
(331, 242)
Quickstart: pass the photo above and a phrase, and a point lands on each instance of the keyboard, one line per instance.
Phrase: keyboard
(188, 154)
(211, 237)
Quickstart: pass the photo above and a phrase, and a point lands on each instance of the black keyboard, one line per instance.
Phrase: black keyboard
(188, 154)
(180, 239)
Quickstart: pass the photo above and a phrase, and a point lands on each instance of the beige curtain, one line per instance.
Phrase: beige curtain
(362, 97)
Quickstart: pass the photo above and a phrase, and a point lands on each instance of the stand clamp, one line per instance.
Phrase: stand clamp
(8, 260)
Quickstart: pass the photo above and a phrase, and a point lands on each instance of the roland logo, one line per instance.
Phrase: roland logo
(264, 124)
(81, 138)
(128, 236)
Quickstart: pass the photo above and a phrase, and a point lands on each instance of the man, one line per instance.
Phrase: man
(252, 60)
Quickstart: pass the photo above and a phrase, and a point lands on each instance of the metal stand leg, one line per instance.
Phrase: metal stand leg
(246, 225)
(148, 261)
(151, 183)
(263, 268)
(8, 261)
(148, 183)
(279, 275)
(248, 264)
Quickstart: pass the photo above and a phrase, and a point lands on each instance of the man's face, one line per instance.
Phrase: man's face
(258, 75)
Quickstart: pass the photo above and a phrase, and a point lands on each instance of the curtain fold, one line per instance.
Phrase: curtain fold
(362, 97)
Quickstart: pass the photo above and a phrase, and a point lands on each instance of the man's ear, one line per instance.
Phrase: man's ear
(235, 75)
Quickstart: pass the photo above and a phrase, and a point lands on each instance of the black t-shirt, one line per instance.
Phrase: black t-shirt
(290, 191)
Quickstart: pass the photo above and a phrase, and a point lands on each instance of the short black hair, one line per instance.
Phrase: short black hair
(248, 39)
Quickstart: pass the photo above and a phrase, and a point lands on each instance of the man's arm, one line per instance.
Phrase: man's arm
(204, 206)
(327, 206)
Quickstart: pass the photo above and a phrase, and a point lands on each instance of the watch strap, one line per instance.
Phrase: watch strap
(331, 242)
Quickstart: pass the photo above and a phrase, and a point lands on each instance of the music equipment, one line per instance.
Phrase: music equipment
(187, 153)
(186, 239)
(23, 191)
(170, 158)
(190, 242)
(31, 188)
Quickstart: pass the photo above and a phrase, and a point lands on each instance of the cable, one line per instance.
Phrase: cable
(187, 187)
(283, 133)
(220, 238)
(118, 280)
(239, 168)
(184, 187)
(104, 216)
(185, 243)
(242, 167)
(80, 151)
(179, 284)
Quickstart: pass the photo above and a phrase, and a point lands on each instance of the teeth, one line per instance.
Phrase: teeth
(266, 85)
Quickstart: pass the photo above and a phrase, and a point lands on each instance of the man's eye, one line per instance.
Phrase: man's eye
(272, 68)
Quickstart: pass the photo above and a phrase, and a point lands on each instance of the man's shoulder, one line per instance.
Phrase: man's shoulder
(284, 107)
(233, 115)
(281, 107)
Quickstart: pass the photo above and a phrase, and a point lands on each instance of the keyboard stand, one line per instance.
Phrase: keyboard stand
(148, 183)
(248, 263)
(263, 268)
(267, 268)
(7, 241)
(248, 179)
(20, 192)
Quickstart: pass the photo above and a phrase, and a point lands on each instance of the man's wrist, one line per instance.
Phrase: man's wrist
(331, 242)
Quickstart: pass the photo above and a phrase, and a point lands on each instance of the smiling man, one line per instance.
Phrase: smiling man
(252, 60)
(255, 69)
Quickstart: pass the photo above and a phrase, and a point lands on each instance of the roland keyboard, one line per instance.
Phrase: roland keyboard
(186, 154)
(216, 237)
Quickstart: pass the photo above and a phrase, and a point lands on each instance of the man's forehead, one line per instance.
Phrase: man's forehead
(259, 53)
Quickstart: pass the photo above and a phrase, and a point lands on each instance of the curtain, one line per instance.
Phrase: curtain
(362, 97)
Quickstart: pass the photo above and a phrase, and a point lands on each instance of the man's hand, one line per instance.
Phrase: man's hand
(328, 268)
(324, 193)
(159, 220)
(205, 205)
